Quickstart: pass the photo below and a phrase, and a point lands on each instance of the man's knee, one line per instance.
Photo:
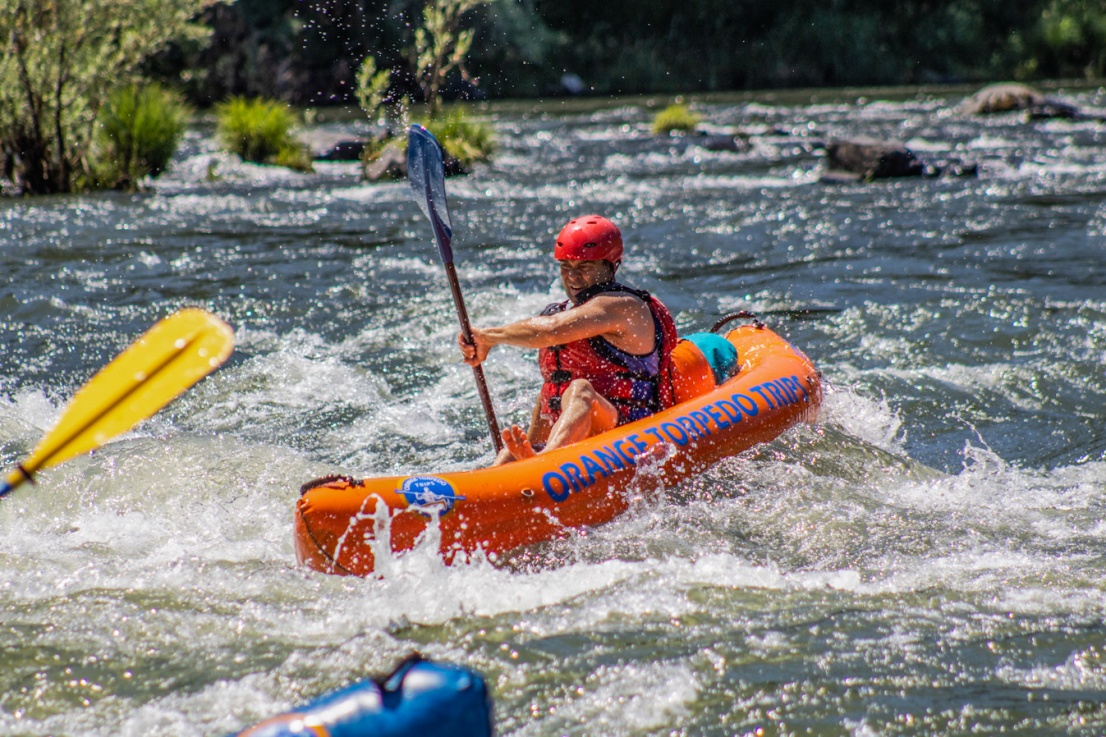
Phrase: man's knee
(580, 393)
(580, 390)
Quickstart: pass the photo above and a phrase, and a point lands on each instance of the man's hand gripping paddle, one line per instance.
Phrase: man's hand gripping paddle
(170, 357)
(426, 174)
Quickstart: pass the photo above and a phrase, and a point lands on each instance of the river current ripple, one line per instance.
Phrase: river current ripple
(926, 559)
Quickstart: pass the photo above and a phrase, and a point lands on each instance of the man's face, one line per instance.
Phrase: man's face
(577, 276)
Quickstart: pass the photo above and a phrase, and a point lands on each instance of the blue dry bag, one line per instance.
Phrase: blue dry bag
(419, 698)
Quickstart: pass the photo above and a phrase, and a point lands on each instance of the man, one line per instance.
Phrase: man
(604, 354)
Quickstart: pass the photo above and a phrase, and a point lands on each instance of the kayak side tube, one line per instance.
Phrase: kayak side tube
(342, 525)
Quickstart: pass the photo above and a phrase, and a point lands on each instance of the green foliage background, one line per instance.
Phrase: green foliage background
(308, 51)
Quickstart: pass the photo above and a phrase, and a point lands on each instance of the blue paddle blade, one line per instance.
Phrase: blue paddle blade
(426, 175)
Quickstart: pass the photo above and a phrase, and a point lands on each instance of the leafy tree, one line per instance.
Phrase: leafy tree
(1070, 38)
(58, 61)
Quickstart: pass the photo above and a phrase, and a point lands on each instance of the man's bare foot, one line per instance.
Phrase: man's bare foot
(518, 443)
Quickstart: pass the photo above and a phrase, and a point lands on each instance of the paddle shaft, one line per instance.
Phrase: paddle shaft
(477, 371)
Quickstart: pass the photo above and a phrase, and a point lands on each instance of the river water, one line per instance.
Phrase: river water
(927, 559)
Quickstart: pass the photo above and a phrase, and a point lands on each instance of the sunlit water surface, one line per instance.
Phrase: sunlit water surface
(927, 559)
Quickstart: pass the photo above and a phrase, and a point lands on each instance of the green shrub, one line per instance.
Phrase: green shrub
(372, 88)
(675, 118)
(293, 157)
(375, 146)
(136, 133)
(466, 140)
(261, 131)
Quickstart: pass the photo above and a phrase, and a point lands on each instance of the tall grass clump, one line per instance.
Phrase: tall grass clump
(675, 119)
(261, 131)
(136, 133)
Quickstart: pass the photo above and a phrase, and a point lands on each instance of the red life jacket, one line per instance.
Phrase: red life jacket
(637, 386)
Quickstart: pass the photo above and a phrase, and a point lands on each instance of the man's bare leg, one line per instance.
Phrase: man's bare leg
(584, 412)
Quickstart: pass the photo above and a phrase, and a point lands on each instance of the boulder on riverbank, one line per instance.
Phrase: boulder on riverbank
(866, 159)
(333, 145)
(343, 151)
(391, 164)
(1008, 96)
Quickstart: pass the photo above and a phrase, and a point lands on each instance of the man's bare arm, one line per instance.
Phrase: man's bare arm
(624, 320)
(612, 316)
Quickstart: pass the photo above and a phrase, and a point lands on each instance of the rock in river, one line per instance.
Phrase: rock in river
(865, 159)
(1007, 96)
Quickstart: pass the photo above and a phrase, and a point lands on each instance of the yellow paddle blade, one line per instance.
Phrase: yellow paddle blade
(170, 357)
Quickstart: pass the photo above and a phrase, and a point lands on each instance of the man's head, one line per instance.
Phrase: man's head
(590, 250)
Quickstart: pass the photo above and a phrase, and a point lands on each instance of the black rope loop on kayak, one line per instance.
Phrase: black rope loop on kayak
(744, 314)
(324, 480)
(393, 681)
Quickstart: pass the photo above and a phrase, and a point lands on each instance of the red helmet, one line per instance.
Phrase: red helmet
(589, 238)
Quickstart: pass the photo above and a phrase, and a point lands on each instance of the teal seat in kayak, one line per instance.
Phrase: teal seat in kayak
(720, 354)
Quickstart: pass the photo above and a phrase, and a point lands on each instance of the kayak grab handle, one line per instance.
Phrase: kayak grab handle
(743, 314)
(324, 480)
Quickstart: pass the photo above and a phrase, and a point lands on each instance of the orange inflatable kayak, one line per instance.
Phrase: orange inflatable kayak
(340, 522)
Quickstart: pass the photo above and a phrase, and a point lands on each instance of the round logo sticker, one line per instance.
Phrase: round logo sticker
(429, 495)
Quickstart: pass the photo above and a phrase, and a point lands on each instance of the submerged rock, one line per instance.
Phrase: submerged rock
(391, 164)
(343, 151)
(330, 144)
(866, 159)
(716, 142)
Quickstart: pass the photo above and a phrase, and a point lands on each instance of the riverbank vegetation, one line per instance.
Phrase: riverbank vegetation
(441, 45)
(675, 119)
(58, 62)
(465, 140)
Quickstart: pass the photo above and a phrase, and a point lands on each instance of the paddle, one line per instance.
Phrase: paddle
(426, 175)
(170, 357)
